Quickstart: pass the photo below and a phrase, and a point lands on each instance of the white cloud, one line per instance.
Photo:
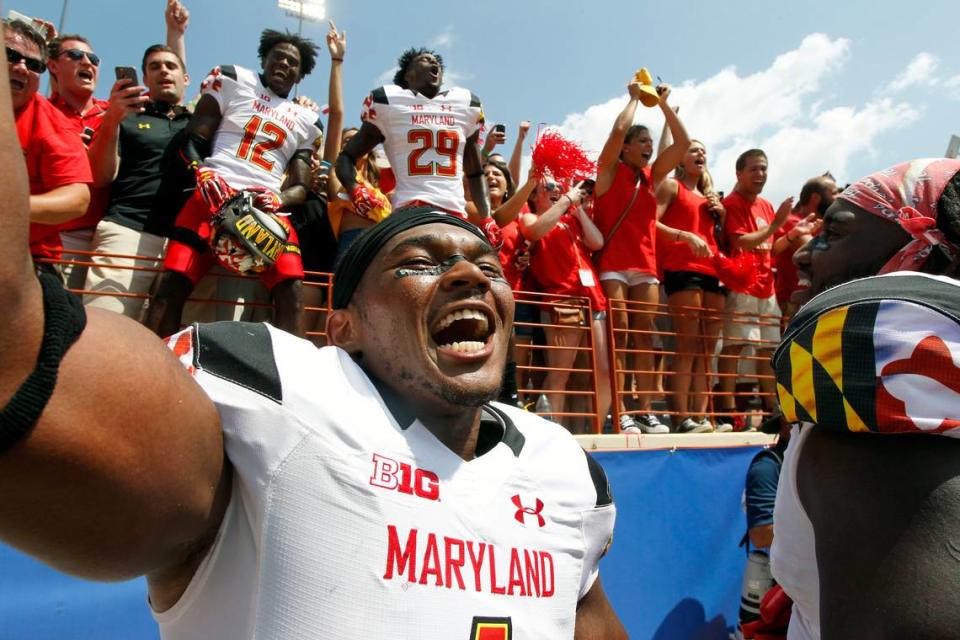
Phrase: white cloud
(783, 109)
(445, 39)
(919, 72)
(385, 76)
(953, 87)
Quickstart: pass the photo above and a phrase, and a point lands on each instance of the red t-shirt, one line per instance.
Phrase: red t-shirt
(746, 217)
(557, 259)
(92, 118)
(785, 280)
(55, 157)
(634, 245)
(689, 212)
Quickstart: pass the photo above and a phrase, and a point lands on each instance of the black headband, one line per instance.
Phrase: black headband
(354, 263)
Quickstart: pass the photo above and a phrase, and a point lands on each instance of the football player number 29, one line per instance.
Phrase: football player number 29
(273, 138)
(446, 142)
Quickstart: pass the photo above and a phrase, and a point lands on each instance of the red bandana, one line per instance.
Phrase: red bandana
(907, 194)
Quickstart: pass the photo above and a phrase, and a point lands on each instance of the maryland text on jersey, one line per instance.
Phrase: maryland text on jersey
(346, 519)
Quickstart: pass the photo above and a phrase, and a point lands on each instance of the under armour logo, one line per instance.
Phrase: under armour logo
(143, 125)
(523, 512)
(446, 107)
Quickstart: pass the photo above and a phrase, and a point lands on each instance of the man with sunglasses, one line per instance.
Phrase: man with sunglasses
(56, 161)
(74, 71)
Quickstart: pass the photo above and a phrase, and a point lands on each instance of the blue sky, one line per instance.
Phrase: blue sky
(849, 86)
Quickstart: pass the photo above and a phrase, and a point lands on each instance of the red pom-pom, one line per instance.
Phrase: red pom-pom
(564, 160)
(737, 273)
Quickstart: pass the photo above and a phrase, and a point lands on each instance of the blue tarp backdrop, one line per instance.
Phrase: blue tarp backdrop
(673, 572)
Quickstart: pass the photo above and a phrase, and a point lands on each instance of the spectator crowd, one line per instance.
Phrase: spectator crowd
(671, 291)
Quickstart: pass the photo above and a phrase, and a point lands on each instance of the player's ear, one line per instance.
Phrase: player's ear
(343, 330)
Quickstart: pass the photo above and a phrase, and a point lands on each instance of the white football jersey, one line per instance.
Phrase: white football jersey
(260, 131)
(424, 140)
(344, 523)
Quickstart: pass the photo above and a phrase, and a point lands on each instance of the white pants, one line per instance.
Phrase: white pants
(75, 240)
(111, 275)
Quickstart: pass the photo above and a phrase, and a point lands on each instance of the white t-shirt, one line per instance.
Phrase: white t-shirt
(424, 140)
(260, 132)
(345, 524)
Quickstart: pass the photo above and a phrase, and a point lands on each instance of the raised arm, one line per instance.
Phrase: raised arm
(610, 154)
(337, 46)
(517, 156)
(177, 18)
(672, 155)
(123, 472)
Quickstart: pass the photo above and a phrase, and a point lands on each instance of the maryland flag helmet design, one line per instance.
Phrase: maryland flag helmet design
(880, 354)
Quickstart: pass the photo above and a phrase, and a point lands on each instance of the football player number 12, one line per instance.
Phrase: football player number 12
(446, 142)
(273, 138)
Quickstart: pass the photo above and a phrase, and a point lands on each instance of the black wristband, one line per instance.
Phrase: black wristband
(474, 175)
(63, 321)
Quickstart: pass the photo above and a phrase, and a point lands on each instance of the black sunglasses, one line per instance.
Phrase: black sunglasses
(77, 54)
(14, 57)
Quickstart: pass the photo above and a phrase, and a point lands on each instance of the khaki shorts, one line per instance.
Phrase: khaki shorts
(753, 321)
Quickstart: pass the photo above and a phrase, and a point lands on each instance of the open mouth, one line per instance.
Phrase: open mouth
(464, 331)
(17, 85)
(83, 74)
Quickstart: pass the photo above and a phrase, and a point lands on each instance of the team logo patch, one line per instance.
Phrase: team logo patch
(491, 629)
(523, 512)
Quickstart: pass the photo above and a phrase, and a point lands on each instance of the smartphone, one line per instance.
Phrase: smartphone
(587, 186)
(499, 128)
(127, 73)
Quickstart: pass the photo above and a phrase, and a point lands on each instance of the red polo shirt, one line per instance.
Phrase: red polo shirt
(55, 157)
(92, 118)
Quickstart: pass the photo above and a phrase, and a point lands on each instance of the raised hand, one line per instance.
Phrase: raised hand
(336, 42)
(177, 16)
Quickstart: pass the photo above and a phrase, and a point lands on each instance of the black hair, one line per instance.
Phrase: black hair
(56, 45)
(505, 170)
(307, 48)
(407, 58)
(948, 221)
(156, 49)
(746, 155)
(30, 33)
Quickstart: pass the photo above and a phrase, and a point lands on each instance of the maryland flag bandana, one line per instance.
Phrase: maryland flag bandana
(880, 354)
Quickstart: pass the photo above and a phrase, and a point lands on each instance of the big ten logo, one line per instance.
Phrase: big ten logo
(405, 478)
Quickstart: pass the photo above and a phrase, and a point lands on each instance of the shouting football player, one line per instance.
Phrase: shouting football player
(270, 489)
(245, 135)
(430, 136)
